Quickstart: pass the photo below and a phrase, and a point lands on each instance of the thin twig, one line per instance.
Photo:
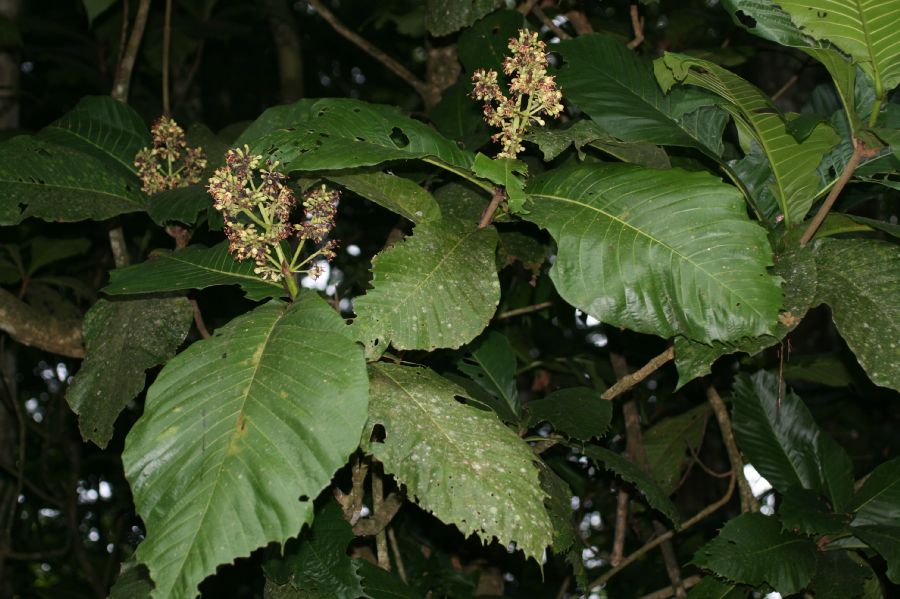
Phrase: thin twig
(580, 22)
(787, 85)
(123, 35)
(649, 545)
(748, 502)
(381, 545)
(630, 380)
(564, 587)
(526, 6)
(122, 81)
(395, 549)
(422, 88)
(118, 247)
(618, 548)
(526, 310)
(706, 468)
(669, 591)
(167, 39)
(487, 214)
(540, 14)
(859, 152)
(637, 25)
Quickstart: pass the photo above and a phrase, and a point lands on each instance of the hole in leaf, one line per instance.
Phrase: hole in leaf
(461, 400)
(399, 138)
(378, 434)
(745, 19)
(304, 498)
(224, 355)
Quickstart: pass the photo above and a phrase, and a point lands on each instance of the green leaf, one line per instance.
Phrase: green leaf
(866, 30)
(886, 541)
(123, 339)
(838, 576)
(819, 369)
(195, 267)
(443, 17)
(95, 8)
(623, 468)
(45, 250)
(484, 45)
(460, 463)
(797, 268)
(381, 584)
(878, 501)
(713, 588)
(801, 510)
(617, 89)
(491, 363)
(462, 202)
(58, 183)
(793, 164)
(133, 582)
(783, 442)
(438, 288)
(661, 252)
(559, 507)
(343, 133)
(505, 172)
(859, 279)
(577, 412)
(458, 117)
(669, 442)
(318, 564)
(587, 133)
(272, 119)
(101, 126)
(397, 194)
(752, 549)
(252, 421)
(182, 204)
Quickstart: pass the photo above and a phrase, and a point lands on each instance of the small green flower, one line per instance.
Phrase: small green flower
(170, 163)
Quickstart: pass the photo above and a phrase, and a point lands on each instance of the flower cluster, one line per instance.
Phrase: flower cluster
(532, 93)
(170, 163)
(256, 205)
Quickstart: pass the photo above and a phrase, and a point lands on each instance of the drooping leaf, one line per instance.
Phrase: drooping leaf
(397, 194)
(661, 252)
(58, 183)
(783, 442)
(670, 443)
(577, 412)
(838, 576)
(460, 463)
(859, 279)
(443, 17)
(343, 133)
(101, 126)
(491, 364)
(587, 133)
(885, 540)
(182, 204)
(438, 288)
(878, 501)
(195, 267)
(618, 90)
(123, 339)
(628, 471)
(796, 267)
(793, 164)
(318, 564)
(507, 173)
(239, 433)
(381, 584)
(753, 549)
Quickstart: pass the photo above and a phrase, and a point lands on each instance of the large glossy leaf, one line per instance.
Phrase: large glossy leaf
(59, 183)
(438, 288)
(123, 339)
(239, 433)
(195, 267)
(344, 133)
(317, 564)
(864, 29)
(878, 501)
(859, 280)
(804, 511)
(797, 268)
(277, 117)
(397, 194)
(793, 164)
(662, 252)
(656, 497)
(443, 17)
(458, 462)
(577, 412)
(617, 89)
(753, 549)
(671, 444)
(491, 364)
(783, 442)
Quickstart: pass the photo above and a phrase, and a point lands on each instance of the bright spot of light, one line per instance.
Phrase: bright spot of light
(758, 485)
(353, 250)
(320, 282)
(597, 339)
(94, 535)
(773, 595)
(105, 489)
(62, 373)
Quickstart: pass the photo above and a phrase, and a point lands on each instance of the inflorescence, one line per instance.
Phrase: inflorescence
(257, 205)
(532, 93)
(170, 163)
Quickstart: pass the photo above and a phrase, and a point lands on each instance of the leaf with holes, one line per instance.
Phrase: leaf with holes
(753, 549)
(252, 421)
(438, 288)
(122, 340)
(661, 252)
(458, 462)
(195, 267)
(859, 279)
